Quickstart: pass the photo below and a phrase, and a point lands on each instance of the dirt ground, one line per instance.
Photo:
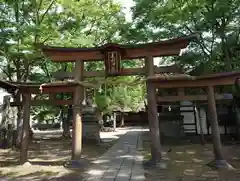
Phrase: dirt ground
(187, 161)
(47, 155)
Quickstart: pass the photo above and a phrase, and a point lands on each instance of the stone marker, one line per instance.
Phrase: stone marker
(91, 126)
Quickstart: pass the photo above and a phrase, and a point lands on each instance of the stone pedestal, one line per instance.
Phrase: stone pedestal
(172, 129)
(91, 126)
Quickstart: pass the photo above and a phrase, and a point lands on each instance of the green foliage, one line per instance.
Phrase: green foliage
(45, 113)
(24, 24)
(216, 20)
(122, 94)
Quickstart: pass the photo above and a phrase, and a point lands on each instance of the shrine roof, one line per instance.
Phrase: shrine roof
(123, 46)
(64, 86)
(173, 77)
(169, 77)
(25, 84)
(132, 51)
(184, 80)
(9, 87)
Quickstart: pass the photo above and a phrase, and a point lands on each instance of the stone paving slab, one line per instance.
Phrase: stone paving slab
(122, 162)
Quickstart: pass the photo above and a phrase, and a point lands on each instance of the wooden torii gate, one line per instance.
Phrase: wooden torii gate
(25, 90)
(186, 81)
(112, 54)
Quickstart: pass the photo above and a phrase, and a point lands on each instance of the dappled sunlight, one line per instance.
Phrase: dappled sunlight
(165, 158)
(139, 177)
(236, 158)
(179, 161)
(31, 172)
(189, 162)
(120, 161)
(109, 136)
(191, 152)
(109, 177)
(210, 174)
(197, 160)
(189, 172)
(123, 175)
(100, 161)
(179, 153)
(95, 172)
(139, 158)
(47, 157)
(126, 156)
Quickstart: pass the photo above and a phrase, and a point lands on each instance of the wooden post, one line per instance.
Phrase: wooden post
(25, 131)
(217, 146)
(201, 126)
(114, 121)
(77, 120)
(152, 113)
(18, 99)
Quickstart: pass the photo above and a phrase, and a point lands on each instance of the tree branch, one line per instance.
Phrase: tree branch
(6, 73)
(45, 13)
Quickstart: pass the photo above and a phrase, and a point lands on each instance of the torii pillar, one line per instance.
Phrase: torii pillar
(153, 115)
(78, 97)
(219, 160)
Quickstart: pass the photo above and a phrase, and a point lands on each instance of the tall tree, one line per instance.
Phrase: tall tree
(217, 22)
(27, 23)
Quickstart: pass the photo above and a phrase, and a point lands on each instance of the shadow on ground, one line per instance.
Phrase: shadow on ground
(187, 159)
(47, 156)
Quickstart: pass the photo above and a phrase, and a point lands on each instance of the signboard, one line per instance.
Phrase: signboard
(112, 62)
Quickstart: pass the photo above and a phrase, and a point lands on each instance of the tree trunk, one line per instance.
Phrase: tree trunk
(25, 132)
(236, 106)
(19, 121)
(217, 146)
(19, 127)
(237, 112)
(66, 123)
(6, 123)
(9, 136)
(66, 129)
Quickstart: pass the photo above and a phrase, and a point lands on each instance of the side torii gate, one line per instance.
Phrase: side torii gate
(24, 89)
(112, 54)
(185, 81)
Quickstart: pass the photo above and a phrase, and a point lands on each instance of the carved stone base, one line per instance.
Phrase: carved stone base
(91, 132)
